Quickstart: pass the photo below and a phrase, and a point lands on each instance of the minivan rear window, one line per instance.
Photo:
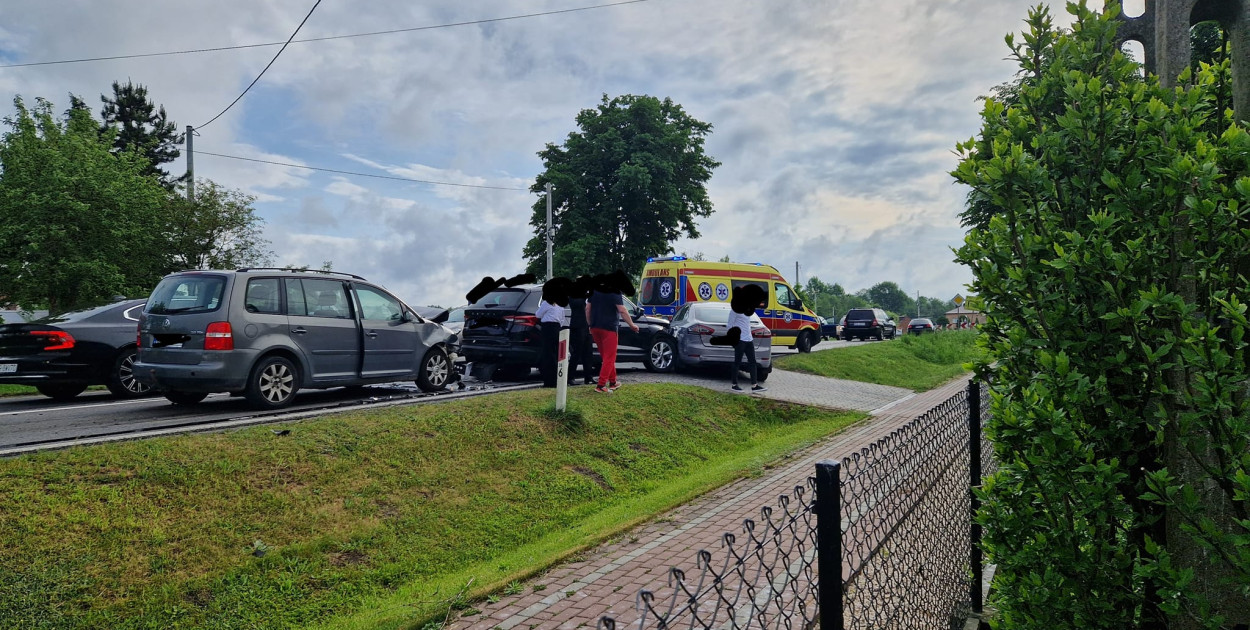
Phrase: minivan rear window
(190, 293)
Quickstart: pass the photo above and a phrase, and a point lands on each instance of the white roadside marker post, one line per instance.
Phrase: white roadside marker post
(562, 370)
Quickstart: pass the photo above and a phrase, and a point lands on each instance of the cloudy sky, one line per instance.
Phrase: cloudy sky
(835, 120)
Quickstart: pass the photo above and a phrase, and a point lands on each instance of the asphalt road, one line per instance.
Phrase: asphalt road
(28, 421)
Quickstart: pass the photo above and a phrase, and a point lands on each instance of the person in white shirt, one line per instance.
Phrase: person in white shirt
(745, 298)
(550, 316)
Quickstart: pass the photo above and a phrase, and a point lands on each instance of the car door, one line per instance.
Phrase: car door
(392, 347)
(786, 316)
(630, 344)
(324, 328)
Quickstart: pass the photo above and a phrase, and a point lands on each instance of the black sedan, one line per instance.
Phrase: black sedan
(62, 354)
(920, 326)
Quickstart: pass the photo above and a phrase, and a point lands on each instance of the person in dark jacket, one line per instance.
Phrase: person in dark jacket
(581, 352)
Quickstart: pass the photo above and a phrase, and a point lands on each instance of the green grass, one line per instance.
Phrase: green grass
(917, 362)
(370, 519)
(17, 390)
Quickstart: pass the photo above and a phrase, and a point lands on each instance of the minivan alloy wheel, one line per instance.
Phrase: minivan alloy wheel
(273, 383)
(435, 371)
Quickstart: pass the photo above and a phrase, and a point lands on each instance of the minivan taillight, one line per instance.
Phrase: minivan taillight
(522, 320)
(56, 339)
(218, 336)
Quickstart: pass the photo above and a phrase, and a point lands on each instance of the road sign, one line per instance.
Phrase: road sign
(959, 300)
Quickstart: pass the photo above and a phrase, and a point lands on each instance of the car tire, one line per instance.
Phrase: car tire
(122, 383)
(435, 371)
(61, 391)
(880, 334)
(273, 383)
(661, 355)
(762, 374)
(185, 398)
(804, 342)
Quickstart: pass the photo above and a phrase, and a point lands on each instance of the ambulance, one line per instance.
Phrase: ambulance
(671, 282)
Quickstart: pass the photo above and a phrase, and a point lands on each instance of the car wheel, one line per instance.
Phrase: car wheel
(880, 334)
(804, 342)
(185, 398)
(273, 383)
(762, 374)
(435, 371)
(662, 356)
(61, 391)
(122, 383)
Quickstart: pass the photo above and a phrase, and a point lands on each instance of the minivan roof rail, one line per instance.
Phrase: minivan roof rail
(291, 269)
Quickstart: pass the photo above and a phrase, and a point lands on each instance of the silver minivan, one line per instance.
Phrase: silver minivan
(267, 333)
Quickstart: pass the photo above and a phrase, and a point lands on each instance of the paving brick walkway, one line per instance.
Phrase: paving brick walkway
(606, 580)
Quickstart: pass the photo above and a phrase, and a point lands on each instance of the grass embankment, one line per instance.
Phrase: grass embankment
(369, 519)
(17, 390)
(917, 362)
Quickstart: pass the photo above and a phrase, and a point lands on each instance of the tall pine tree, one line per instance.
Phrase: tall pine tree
(143, 127)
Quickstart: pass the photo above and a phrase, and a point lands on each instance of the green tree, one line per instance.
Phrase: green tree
(139, 125)
(1109, 244)
(628, 184)
(218, 230)
(77, 223)
(890, 297)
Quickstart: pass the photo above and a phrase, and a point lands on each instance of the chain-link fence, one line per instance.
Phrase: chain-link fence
(899, 536)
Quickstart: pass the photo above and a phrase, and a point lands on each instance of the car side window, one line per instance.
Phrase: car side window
(295, 302)
(326, 298)
(378, 306)
(784, 297)
(681, 314)
(262, 296)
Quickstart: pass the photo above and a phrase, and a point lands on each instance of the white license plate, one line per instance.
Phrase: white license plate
(8, 368)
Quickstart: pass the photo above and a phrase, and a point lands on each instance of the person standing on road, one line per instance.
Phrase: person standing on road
(604, 310)
(580, 350)
(742, 306)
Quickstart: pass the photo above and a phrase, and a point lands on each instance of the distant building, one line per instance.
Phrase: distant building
(961, 315)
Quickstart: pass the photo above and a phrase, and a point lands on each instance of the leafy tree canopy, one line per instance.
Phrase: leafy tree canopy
(219, 229)
(628, 184)
(77, 223)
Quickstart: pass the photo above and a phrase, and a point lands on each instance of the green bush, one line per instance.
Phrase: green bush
(1110, 242)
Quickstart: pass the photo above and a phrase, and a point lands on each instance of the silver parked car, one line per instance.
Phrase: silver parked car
(696, 323)
(267, 333)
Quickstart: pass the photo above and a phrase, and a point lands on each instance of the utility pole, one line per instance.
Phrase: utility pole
(190, 163)
(796, 274)
(549, 276)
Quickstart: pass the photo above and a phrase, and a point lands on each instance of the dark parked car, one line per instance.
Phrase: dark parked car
(61, 355)
(868, 323)
(828, 329)
(921, 325)
(502, 329)
(267, 333)
(696, 323)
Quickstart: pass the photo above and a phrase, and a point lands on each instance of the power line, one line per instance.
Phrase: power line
(317, 39)
(331, 170)
(262, 72)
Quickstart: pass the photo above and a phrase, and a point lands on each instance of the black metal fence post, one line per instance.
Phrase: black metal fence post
(974, 481)
(829, 542)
